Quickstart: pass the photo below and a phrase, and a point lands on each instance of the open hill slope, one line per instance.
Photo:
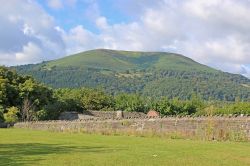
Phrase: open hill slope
(128, 60)
(153, 74)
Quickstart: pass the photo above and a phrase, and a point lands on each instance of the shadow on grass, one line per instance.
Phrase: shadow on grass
(31, 153)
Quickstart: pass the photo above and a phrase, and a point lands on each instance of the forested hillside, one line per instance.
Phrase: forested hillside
(153, 74)
(24, 99)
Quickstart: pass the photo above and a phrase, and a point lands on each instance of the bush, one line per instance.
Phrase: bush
(11, 115)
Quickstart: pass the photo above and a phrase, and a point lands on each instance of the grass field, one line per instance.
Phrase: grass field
(26, 147)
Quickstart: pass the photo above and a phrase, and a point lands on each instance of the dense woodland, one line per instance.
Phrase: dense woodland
(22, 98)
(156, 83)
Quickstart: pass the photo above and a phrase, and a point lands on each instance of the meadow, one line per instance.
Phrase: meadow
(29, 147)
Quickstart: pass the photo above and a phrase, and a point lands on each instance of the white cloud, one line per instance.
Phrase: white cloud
(214, 32)
(30, 52)
(55, 4)
(60, 4)
(27, 34)
(101, 23)
(79, 39)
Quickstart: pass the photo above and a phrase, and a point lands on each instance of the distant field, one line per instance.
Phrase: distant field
(26, 147)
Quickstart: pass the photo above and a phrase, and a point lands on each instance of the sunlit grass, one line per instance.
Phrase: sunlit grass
(27, 147)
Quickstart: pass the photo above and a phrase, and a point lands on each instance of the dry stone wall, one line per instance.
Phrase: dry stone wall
(100, 115)
(209, 128)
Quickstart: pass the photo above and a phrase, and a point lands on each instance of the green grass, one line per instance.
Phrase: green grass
(27, 147)
(126, 60)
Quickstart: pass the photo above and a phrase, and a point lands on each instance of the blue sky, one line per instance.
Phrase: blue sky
(214, 32)
(71, 14)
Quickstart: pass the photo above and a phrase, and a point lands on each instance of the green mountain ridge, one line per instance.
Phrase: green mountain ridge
(128, 60)
(152, 74)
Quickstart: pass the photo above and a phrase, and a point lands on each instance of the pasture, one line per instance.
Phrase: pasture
(29, 147)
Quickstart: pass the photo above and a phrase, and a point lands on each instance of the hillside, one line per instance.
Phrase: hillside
(152, 74)
(127, 60)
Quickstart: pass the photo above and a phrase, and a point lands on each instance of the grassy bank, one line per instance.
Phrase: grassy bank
(27, 147)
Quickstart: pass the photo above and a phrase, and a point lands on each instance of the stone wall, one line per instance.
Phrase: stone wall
(100, 115)
(103, 114)
(208, 128)
(115, 114)
(69, 116)
(128, 115)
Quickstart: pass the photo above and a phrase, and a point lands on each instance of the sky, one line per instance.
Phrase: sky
(212, 32)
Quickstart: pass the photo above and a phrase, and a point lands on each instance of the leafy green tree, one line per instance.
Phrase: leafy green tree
(68, 99)
(9, 90)
(38, 94)
(130, 103)
(42, 115)
(51, 111)
(11, 115)
(23, 92)
(94, 99)
(1, 114)
(3, 91)
(163, 106)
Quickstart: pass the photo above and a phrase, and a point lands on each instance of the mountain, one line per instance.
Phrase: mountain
(152, 74)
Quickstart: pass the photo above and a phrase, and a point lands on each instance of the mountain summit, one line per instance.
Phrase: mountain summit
(129, 60)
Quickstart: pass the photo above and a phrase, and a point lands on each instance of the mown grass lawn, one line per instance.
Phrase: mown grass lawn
(27, 147)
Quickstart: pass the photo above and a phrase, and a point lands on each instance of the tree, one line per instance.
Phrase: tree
(9, 81)
(42, 115)
(11, 115)
(23, 92)
(130, 103)
(163, 106)
(27, 111)
(37, 94)
(3, 91)
(94, 99)
(68, 99)
(1, 114)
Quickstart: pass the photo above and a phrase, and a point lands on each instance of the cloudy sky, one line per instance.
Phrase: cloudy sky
(212, 32)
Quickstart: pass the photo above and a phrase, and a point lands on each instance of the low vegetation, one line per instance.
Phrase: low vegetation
(48, 148)
(24, 99)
